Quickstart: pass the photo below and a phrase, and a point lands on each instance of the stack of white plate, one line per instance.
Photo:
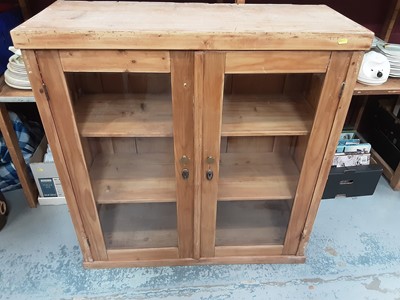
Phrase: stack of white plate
(392, 52)
(16, 75)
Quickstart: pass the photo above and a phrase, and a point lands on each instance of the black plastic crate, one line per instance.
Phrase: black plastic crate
(382, 129)
(352, 181)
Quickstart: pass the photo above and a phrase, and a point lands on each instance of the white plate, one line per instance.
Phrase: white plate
(19, 76)
(15, 81)
(21, 71)
(17, 63)
(17, 86)
(16, 59)
(390, 49)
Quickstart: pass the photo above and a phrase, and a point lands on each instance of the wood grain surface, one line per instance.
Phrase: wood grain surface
(187, 26)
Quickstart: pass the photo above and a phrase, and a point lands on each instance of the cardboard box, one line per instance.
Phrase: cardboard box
(51, 200)
(46, 177)
(350, 160)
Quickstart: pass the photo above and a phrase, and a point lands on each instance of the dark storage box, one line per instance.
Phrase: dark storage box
(382, 129)
(352, 181)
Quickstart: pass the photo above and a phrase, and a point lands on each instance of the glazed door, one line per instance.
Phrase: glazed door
(125, 123)
(266, 122)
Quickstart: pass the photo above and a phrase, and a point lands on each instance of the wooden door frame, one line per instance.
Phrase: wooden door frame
(55, 106)
(339, 78)
(213, 82)
(183, 93)
(56, 91)
(334, 100)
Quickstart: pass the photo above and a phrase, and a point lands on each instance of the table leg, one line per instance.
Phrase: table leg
(11, 141)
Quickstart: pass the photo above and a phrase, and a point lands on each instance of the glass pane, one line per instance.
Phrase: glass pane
(266, 122)
(145, 225)
(246, 223)
(125, 124)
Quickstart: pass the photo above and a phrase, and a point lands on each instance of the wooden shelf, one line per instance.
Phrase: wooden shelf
(133, 178)
(257, 176)
(246, 223)
(118, 115)
(259, 116)
(124, 115)
(9, 94)
(243, 176)
(137, 226)
(390, 87)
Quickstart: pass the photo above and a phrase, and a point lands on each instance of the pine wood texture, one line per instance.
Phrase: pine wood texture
(268, 259)
(67, 131)
(141, 115)
(246, 144)
(9, 94)
(231, 251)
(341, 104)
(143, 254)
(124, 136)
(122, 61)
(198, 153)
(213, 82)
(150, 176)
(11, 140)
(314, 158)
(390, 87)
(124, 115)
(182, 82)
(43, 105)
(257, 176)
(186, 26)
(243, 62)
(246, 115)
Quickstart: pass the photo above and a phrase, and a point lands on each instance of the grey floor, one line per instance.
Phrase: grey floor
(354, 253)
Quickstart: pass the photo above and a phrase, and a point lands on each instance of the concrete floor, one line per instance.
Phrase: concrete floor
(354, 253)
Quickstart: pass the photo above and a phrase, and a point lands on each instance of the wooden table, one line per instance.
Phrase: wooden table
(391, 87)
(11, 95)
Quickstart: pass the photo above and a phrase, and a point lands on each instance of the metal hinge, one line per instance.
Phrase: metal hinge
(341, 90)
(44, 91)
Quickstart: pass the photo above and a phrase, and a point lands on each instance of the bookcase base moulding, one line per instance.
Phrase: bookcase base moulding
(192, 133)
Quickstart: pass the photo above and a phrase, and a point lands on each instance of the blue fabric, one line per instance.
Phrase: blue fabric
(8, 20)
(29, 135)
